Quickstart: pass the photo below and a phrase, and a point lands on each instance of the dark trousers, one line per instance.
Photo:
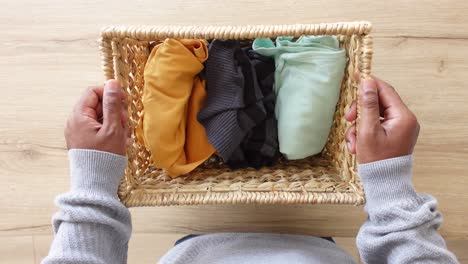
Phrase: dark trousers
(187, 237)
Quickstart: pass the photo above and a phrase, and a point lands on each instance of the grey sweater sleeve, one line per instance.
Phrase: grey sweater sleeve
(92, 225)
(402, 225)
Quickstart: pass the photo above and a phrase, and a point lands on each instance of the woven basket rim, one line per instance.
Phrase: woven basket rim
(142, 32)
(142, 197)
(113, 65)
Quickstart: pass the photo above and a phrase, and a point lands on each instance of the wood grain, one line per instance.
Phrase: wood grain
(458, 247)
(72, 20)
(33, 161)
(49, 55)
(143, 248)
(41, 246)
(16, 250)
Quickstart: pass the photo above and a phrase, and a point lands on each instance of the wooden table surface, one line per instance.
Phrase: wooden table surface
(49, 55)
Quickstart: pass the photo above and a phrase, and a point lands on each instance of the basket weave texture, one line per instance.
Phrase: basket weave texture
(329, 178)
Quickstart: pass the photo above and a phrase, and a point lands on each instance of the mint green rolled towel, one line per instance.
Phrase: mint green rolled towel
(308, 78)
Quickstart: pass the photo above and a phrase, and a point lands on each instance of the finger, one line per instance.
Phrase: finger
(99, 90)
(124, 95)
(350, 137)
(125, 99)
(124, 119)
(369, 104)
(99, 111)
(390, 102)
(90, 98)
(89, 102)
(125, 111)
(357, 76)
(112, 105)
(352, 112)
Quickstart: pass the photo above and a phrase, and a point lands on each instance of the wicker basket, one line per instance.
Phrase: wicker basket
(329, 178)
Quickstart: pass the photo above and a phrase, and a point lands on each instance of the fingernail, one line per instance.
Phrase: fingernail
(367, 84)
(112, 85)
(349, 145)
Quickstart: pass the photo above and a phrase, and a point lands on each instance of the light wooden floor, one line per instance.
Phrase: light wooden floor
(49, 54)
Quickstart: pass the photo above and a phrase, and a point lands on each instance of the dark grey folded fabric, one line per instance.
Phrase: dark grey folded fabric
(260, 147)
(239, 110)
(225, 126)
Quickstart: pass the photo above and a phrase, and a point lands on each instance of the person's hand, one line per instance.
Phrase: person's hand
(387, 128)
(99, 120)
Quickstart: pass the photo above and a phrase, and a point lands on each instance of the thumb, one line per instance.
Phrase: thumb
(369, 104)
(112, 105)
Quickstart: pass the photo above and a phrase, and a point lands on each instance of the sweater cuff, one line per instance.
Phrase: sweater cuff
(96, 172)
(388, 182)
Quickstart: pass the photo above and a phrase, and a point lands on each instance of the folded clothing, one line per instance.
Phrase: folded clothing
(308, 78)
(234, 114)
(172, 97)
(260, 146)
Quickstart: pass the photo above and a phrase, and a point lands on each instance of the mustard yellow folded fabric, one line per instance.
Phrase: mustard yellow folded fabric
(172, 97)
